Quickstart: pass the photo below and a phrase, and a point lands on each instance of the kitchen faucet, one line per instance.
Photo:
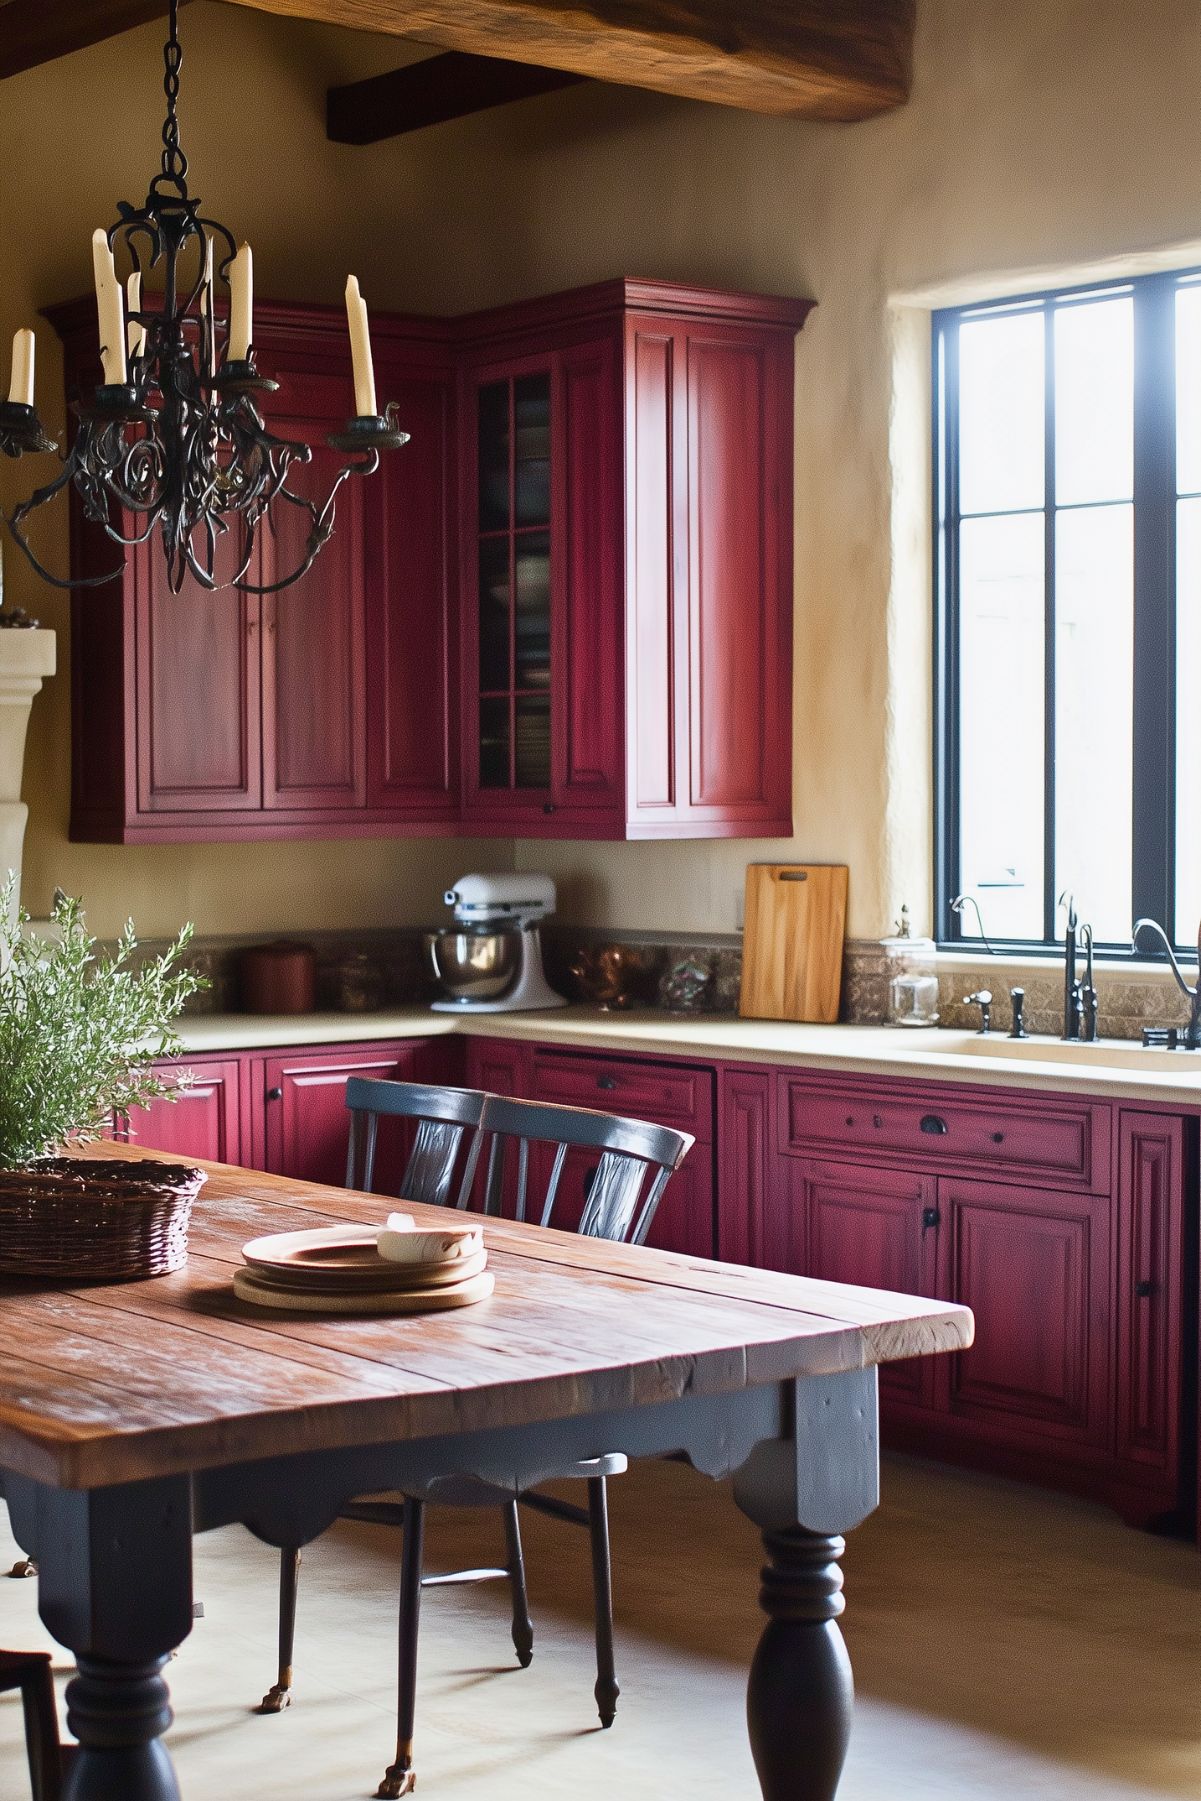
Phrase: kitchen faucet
(1192, 1032)
(1079, 997)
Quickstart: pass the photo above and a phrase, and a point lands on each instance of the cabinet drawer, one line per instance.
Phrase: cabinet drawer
(1065, 1143)
(669, 1094)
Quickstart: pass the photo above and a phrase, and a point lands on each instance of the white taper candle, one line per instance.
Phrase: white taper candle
(135, 333)
(360, 351)
(21, 387)
(241, 305)
(110, 310)
(207, 311)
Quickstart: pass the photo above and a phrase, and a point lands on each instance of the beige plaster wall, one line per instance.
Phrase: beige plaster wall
(1043, 136)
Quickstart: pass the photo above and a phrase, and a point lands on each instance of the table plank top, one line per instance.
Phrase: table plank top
(104, 1384)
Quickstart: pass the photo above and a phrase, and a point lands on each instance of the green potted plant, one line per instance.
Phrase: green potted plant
(80, 1031)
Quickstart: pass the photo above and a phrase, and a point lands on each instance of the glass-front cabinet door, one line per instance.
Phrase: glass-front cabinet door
(542, 531)
(513, 572)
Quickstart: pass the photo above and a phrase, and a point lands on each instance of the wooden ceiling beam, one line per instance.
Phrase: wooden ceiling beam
(816, 59)
(430, 92)
(37, 31)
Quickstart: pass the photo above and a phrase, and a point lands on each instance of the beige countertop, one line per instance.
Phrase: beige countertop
(1113, 1069)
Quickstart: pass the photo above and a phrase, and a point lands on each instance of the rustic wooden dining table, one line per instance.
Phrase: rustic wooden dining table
(135, 1415)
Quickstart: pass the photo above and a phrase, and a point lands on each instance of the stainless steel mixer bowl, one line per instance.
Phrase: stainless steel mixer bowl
(474, 966)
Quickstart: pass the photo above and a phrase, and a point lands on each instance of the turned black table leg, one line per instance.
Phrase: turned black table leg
(118, 1712)
(115, 1587)
(804, 1489)
(800, 1693)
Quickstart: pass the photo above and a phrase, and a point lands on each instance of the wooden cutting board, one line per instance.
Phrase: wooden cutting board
(795, 921)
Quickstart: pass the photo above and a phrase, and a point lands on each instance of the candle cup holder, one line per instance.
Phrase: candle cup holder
(115, 403)
(21, 430)
(370, 431)
(240, 376)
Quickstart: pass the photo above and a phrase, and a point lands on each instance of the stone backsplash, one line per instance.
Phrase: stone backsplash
(363, 972)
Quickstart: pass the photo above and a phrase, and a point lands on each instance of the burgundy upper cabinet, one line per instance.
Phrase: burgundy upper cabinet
(325, 709)
(626, 564)
(564, 609)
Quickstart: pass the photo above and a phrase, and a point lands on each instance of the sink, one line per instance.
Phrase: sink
(1111, 1053)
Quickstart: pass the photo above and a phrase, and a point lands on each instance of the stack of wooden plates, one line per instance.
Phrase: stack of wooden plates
(354, 1269)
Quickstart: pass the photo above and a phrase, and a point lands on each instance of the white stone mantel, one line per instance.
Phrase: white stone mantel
(26, 659)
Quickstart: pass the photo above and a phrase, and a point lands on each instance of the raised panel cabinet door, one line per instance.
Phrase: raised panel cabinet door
(314, 680)
(656, 530)
(205, 1120)
(307, 1127)
(197, 715)
(734, 725)
(587, 588)
(1036, 1269)
(872, 1228)
(411, 602)
(497, 1067)
(749, 1224)
(1151, 1231)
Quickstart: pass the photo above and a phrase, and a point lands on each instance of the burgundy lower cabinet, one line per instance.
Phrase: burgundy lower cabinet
(1155, 1227)
(1036, 1268)
(871, 1228)
(1063, 1223)
(300, 1099)
(1068, 1225)
(205, 1121)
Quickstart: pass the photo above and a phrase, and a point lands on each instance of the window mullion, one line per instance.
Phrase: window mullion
(946, 634)
(1050, 871)
(1154, 787)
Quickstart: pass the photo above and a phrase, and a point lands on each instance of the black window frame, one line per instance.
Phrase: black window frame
(1153, 823)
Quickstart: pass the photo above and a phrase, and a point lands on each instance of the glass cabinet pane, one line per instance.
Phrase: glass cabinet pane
(494, 743)
(495, 616)
(532, 571)
(531, 480)
(494, 415)
(514, 583)
(532, 741)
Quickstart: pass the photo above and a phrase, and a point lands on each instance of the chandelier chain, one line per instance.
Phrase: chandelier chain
(175, 163)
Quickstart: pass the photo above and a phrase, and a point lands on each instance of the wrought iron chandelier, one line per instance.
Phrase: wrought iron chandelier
(174, 437)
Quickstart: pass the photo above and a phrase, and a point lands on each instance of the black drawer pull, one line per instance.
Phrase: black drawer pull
(877, 1121)
(606, 1081)
(998, 1137)
(936, 1127)
(1144, 1289)
(850, 1119)
(930, 1217)
(548, 806)
(275, 1094)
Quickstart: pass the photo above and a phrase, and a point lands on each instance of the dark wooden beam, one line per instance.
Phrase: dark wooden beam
(432, 91)
(816, 59)
(36, 31)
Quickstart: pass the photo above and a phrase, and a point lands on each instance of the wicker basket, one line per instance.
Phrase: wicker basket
(81, 1219)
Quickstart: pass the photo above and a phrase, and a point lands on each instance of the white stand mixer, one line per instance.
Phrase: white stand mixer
(490, 961)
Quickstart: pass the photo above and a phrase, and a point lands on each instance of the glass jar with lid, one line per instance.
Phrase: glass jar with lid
(911, 971)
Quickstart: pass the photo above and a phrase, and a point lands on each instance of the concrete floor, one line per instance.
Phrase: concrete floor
(1006, 1643)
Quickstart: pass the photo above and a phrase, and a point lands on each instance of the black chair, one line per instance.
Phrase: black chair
(620, 1194)
(29, 1671)
(629, 1163)
(440, 1170)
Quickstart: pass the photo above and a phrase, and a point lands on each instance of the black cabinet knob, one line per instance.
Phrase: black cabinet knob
(548, 806)
(934, 1126)
(1144, 1289)
(275, 1094)
(930, 1217)
(606, 1081)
